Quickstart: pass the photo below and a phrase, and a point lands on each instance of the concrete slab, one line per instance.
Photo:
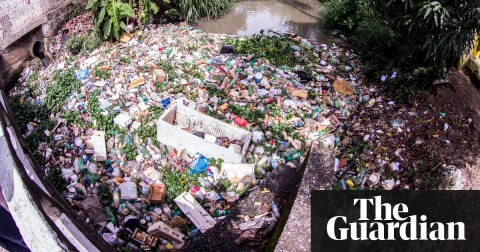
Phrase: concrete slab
(318, 175)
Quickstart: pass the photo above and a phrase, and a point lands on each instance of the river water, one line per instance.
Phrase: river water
(248, 17)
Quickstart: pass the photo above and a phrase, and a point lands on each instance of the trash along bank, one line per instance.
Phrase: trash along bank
(155, 139)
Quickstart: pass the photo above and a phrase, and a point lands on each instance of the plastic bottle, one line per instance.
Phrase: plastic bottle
(132, 208)
(116, 197)
(263, 92)
(144, 152)
(262, 161)
(275, 210)
(250, 89)
(212, 196)
(110, 215)
(166, 210)
(219, 213)
(293, 156)
(258, 77)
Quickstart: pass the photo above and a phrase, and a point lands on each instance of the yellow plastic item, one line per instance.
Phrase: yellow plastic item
(350, 183)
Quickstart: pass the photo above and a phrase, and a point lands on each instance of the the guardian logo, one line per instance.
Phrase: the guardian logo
(391, 223)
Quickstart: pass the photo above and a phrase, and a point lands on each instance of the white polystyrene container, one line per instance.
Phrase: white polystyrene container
(184, 117)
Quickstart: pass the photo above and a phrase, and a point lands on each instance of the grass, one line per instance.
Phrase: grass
(193, 10)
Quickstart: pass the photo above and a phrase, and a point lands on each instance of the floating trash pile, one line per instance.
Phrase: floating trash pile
(157, 137)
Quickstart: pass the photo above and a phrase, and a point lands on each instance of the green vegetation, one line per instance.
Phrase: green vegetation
(252, 115)
(277, 49)
(145, 131)
(179, 182)
(126, 60)
(419, 40)
(32, 117)
(130, 151)
(215, 91)
(102, 74)
(55, 176)
(64, 83)
(103, 122)
(104, 195)
(192, 10)
(83, 43)
(223, 184)
(111, 17)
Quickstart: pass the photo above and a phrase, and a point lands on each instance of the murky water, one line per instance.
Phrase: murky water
(250, 16)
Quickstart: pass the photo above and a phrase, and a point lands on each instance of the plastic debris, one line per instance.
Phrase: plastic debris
(181, 92)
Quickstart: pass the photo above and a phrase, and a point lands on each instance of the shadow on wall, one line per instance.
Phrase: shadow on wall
(14, 56)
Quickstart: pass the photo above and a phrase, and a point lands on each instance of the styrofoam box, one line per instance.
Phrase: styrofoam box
(185, 117)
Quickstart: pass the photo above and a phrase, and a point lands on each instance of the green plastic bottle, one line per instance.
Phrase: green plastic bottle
(144, 152)
(293, 156)
(110, 215)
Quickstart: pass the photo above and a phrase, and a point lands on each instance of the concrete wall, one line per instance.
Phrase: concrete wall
(22, 24)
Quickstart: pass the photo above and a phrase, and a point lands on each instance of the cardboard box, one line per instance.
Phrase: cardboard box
(157, 193)
(159, 75)
(144, 238)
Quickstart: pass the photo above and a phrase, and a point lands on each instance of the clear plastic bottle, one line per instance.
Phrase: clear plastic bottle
(116, 197)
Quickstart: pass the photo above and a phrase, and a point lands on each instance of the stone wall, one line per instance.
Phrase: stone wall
(22, 24)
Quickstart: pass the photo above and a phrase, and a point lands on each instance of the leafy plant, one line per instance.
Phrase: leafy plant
(411, 36)
(149, 8)
(110, 16)
(145, 131)
(72, 116)
(223, 184)
(213, 90)
(172, 14)
(104, 194)
(103, 122)
(124, 59)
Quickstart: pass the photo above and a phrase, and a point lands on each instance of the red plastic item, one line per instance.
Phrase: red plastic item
(239, 121)
(269, 100)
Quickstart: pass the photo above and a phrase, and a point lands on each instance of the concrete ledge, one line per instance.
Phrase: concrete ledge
(318, 175)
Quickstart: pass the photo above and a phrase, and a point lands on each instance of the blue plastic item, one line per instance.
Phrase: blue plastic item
(166, 102)
(199, 165)
(82, 74)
